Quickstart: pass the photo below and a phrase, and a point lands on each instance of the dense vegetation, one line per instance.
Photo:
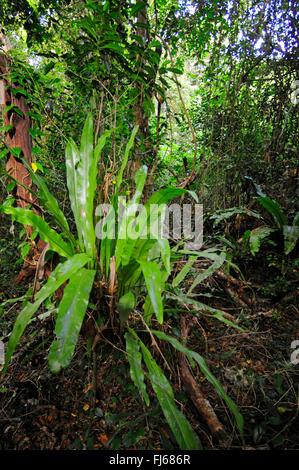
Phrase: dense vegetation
(115, 335)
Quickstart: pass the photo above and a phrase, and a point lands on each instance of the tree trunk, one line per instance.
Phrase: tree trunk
(18, 137)
(141, 119)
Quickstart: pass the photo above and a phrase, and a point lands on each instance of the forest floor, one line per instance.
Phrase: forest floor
(94, 405)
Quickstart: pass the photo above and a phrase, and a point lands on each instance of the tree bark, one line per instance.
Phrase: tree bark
(141, 119)
(19, 137)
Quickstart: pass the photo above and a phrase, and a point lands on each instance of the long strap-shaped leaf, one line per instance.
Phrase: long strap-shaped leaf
(199, 306)
(164, 195)
(125, 244)
(209, 271)
(153, 212)
(71, 160)
(81, 180)
(192, 355)
(84, 195)
(275, 210)
(93, 177)
(61, 274)
(71, 312)
(184, 271)
(291, 235)
(136, 371)
(49, 201)
(27, 217)
(153, 281)
(180, 426)
(149, 220)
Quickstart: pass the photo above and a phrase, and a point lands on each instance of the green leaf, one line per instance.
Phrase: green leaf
(35, 132)
(85, 192)
(16, 151)
(106, 243)
(256, 238)
(129, 211)
(153, 281)
(165, 253)
(136, 371)
(19, 112)
(208, 272)
(275, 210)
(8, 108)
(25, 250)
(215, 313)
(27, 217)
(223, 214)
(291, 235)
(175, 70)
(81, 168)
(137, 8)
(61, 274)
(50, 66)
(3, 153)
(181, 428)
(36, 116)
(192, 355)
(125, 306)
(49, 201)
(127, 237)
(71, 313)
(155, 44)
(183, 272)
(147, 309)
(164, 195)
(89, 26)
(142, 249)
(19, 91)
(72, 159)
(10, 187)
(114, 47)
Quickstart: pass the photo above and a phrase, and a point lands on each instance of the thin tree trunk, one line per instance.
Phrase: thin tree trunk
(141, 119)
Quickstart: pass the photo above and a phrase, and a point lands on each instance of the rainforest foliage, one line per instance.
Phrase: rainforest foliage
(111, 112)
